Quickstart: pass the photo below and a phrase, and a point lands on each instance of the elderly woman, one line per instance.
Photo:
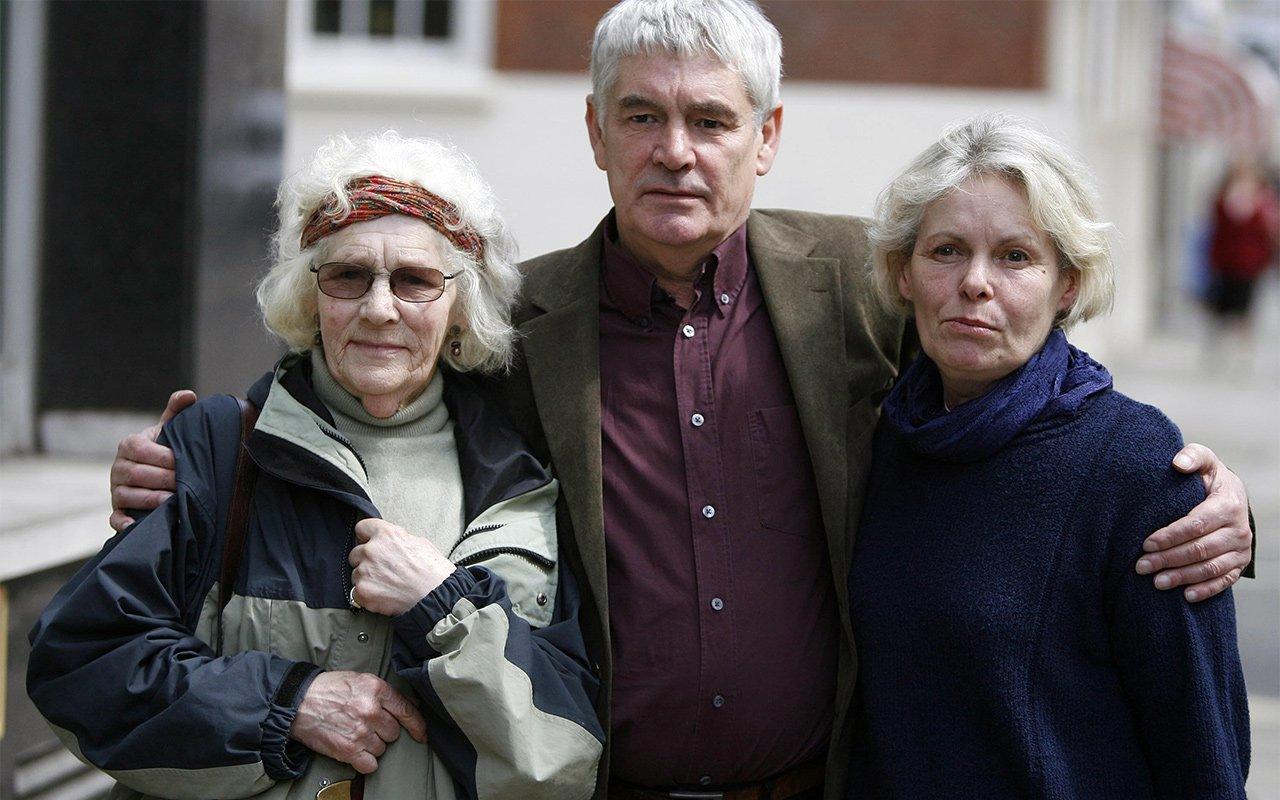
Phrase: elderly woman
(1006, 647)
(399, 624)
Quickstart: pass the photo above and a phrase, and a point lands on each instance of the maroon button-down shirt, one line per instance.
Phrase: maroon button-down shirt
(721, 602)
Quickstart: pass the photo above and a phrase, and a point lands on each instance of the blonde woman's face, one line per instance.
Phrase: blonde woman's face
(984, 284)
(382, 349)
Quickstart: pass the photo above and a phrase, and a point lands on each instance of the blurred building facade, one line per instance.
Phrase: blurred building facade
(142, 145)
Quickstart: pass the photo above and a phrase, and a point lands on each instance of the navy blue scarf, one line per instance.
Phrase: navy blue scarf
(1050, 388)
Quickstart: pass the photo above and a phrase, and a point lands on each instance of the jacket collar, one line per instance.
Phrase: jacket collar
(295, 440)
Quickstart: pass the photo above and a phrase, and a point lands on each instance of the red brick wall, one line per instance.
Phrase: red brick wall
(997, 44)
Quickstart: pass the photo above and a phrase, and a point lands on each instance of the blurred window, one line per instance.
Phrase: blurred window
(435, 18)
(382, 17)
(405, 48)
(427, 19)
(328, 16)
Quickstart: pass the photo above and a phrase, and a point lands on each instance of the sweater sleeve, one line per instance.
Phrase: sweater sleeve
(497, 656)
(118, 671)
(1178, 662)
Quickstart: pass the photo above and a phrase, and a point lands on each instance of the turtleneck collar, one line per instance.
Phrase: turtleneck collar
(427, 413)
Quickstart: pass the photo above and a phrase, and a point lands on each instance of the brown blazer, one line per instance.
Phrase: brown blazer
(841, 354)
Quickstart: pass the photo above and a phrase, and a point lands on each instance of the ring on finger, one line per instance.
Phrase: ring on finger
(351, 599)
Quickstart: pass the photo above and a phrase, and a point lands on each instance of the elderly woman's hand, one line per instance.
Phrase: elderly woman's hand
(1208, 549)
(352, 716)
(393, 569)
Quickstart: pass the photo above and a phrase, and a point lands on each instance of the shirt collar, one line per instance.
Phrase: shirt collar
(633, 289)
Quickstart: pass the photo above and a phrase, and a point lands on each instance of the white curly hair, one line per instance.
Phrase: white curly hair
(486, 292)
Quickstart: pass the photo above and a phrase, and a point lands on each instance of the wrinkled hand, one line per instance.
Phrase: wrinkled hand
(142, 476)
(1206, 550)
(352, 716)
(393, 568)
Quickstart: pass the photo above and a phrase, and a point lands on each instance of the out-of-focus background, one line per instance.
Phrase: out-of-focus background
(142, 144)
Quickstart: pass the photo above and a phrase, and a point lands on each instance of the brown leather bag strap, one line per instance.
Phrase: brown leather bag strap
(237, 513)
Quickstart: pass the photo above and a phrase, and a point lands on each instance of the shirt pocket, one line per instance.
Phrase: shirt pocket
(786, 498)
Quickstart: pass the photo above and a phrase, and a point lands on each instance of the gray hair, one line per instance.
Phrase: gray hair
(1059, 193)
(735, 32)
(486, 292)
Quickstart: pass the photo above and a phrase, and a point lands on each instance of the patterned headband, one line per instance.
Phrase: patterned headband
(375, 196)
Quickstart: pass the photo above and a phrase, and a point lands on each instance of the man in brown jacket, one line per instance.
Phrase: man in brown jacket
(705, 379)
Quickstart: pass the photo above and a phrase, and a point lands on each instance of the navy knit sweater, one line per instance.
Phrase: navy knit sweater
(1006, 647)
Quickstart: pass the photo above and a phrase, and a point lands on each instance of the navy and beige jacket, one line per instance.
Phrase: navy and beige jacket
(122, 666)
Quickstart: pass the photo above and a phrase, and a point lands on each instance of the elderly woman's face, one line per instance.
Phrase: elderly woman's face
(984, 283)
(380, 348)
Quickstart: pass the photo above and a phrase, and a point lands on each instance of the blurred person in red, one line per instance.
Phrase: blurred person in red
(1242, 247)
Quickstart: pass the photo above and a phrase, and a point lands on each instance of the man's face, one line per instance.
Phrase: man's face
(678, 140)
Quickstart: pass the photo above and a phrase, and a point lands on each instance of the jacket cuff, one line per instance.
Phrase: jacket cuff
(414, 625)
(284, 758)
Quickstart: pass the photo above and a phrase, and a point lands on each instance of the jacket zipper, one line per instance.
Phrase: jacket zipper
(528, 555)
(338, 437)
(473, 531)
(345, 568)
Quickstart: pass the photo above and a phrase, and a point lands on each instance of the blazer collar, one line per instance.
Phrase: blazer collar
(803, 296)
(575, 279)
(561, 349)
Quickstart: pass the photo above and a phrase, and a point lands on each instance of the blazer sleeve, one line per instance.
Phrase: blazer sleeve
(498, 658)
(1179, 663)
(118, 671)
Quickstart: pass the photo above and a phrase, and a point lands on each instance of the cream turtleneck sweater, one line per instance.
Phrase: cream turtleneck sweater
(411, 457)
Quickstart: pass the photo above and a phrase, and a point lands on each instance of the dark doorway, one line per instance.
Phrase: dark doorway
(120, 164)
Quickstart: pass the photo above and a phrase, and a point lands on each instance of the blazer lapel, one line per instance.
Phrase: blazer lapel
(562, 354)
(802, 296)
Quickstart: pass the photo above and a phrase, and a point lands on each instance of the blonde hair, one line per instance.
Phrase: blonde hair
(486, 292)
(1059, 194)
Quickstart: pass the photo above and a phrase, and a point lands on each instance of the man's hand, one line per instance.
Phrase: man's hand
(142, 475)
(1206, 550)
(393, 568)
(352, 716)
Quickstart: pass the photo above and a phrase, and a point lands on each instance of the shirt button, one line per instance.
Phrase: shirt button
(708, 511)
(688, 331)
(643, 322)
(705, 780)
(362, 636)
(717, 603)
(697, 420)
(541, 598)
(724, 299)
(718, 701)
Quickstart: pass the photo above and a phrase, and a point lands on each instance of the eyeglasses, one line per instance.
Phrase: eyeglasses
(351, 282)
